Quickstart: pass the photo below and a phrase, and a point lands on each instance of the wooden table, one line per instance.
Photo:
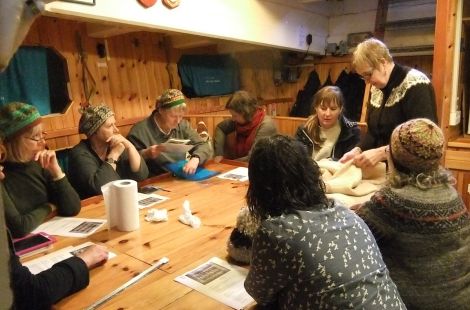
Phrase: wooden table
(215, 201)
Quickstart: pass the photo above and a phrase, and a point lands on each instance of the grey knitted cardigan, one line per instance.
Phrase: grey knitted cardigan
(424, 237)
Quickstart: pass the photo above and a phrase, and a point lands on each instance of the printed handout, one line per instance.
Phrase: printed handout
(219, 280)
(45, 262)
(237, 174)
(148, 200)
(70, 226)
(177, 146)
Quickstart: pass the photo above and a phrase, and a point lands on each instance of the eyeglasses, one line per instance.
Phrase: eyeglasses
(366, 76)
(38, 138)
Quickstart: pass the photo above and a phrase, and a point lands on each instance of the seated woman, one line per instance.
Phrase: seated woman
(309, 252)
(35, 180)
(167, 122)
(104, 156)
(43, 290)
(234, 138)
(421, 223)
(327, 132)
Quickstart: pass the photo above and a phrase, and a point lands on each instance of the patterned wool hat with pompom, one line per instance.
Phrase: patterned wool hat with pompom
(416, 146)
(92, 118)
(170, 98)
(241, 239)
(17, 117)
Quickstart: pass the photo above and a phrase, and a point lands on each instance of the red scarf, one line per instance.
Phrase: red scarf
(246, 134)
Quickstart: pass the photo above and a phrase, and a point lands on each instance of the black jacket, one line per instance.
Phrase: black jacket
(349, 137)
(46, 288)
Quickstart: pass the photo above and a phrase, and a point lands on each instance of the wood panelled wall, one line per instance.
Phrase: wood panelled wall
(140, 65)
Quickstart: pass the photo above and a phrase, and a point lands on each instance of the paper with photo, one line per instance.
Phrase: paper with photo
(47, 261)
(237, 174)
(148, 200)
(70, 226)
(219, 280)
(177, 146)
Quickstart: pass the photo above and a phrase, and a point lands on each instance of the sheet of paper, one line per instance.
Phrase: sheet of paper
(70, 226)
(237, 174)
(47, 261)
(219, 280)
(148, 200)
(177, 146)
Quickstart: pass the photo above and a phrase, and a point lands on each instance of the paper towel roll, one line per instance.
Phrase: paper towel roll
(120, 199)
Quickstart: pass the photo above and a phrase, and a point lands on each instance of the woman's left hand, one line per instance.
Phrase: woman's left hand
(191, 165)
(48, 160)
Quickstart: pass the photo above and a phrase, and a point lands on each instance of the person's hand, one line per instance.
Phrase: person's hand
(350, 155)
(153, 151)
(370, 157)
(94, 256)
(191, 165)
(48, 160)
(218, 158)
(117, 145)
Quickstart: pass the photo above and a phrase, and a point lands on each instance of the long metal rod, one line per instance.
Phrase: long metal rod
(129, 283)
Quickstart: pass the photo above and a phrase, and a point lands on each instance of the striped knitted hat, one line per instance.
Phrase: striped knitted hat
(16, 118)
(416, 146)
(170, 98)
(92, 118)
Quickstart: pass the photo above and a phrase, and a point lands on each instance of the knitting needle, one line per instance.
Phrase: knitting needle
(129, 283)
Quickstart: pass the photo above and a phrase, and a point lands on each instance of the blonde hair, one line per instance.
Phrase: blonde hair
(326, 96)
(16, 147)
(370, 52)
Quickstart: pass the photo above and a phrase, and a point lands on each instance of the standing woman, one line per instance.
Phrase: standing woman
(167, 122)
(309, 252)
(104, 156)
(398, 94)
(35, 181)
(327, 132)
(235, 137)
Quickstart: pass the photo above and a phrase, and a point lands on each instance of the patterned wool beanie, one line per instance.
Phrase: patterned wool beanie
(241, 238)
(416, 146)
(16, 118)
(92, 118)
(170, 98)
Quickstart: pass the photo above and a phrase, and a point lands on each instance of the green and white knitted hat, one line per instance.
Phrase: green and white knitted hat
(17, 117)
(92, 118)
(170, 98)
(416, 146)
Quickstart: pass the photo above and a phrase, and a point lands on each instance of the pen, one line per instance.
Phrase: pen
(162, 189)
(132, 281)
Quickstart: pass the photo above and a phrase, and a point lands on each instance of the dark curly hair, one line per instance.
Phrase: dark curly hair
(282, 178)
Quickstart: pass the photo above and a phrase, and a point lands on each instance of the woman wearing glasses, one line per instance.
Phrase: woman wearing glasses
(35, 182)
(398, 94)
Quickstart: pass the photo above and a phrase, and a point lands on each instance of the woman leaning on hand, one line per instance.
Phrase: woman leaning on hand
(104, 156)
(398, 94)
(35, 182)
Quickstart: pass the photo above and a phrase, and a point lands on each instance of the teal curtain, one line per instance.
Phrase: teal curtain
(26, 79)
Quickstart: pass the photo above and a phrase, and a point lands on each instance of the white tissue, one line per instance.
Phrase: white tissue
(187, 217)
(120, 200)
(157, 215)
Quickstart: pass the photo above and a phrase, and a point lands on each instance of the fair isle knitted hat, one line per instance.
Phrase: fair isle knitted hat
(170, 98)
(241, 239)
(416, 146)
(17, 117)
(92, 118)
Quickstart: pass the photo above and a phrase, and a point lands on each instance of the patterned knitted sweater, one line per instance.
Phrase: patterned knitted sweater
(424, 237)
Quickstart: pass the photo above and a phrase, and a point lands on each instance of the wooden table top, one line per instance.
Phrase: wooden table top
(215, 201)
